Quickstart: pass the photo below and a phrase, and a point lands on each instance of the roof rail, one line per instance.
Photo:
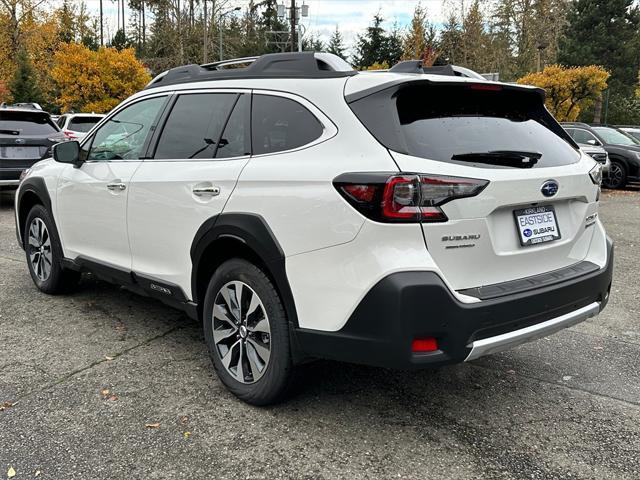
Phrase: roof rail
(271, 65)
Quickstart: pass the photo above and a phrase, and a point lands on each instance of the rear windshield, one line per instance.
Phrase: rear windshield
(26, 123)
(83, 124)
(479, 127)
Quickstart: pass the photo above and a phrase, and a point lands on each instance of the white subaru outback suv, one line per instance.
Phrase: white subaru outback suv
(304, 210)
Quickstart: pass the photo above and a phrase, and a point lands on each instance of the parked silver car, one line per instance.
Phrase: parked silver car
(599, 154)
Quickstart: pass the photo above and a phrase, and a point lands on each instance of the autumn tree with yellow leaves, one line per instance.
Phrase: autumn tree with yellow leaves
(96, 81)
(570, 90)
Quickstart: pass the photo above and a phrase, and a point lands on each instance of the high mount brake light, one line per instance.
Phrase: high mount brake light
(405, 198)
(486, 86)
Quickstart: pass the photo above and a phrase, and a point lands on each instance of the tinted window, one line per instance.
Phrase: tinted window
(615, 137)
(26, 123)
(581, 136)
(278, 124)
(235, 138)
(123, 135)
(194, 125)
(481, 126)
(83, 124)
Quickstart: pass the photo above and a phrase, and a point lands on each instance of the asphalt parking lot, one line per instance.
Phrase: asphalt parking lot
(106, 384)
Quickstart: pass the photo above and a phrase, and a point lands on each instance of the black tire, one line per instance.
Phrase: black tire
(45, 261)
(271, 384)
(617, 176)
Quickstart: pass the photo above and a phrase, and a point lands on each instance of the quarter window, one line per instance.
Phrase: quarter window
(279, 124)
(194, 125)
(123, 136)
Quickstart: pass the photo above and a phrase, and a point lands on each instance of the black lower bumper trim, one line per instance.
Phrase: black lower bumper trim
(408, 305)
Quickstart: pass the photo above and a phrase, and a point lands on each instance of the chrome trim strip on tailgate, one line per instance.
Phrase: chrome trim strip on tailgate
(508, 340)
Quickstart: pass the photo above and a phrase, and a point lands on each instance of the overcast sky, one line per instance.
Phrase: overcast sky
(351, 16)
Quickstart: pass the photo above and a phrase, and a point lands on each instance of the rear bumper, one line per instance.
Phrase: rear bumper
(408, 305)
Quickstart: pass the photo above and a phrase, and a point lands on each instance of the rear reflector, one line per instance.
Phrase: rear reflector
(422, 345)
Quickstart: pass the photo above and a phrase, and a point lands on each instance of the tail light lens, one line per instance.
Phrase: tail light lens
(69, 135)
(405, 198)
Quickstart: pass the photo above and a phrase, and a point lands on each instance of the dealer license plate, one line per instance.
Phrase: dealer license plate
(537, 225)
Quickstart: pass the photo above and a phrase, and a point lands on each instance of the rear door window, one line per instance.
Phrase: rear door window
(235, 140)
(194, 125)
(279, 124)
(26, 123)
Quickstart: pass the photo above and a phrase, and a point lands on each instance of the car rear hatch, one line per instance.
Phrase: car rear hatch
(25, 137)
(526, 213)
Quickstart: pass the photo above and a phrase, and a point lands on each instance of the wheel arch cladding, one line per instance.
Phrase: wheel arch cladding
(245, 235)
(33, 191)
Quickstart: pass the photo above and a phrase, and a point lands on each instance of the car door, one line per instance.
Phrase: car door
(92, 198)
(197, 157)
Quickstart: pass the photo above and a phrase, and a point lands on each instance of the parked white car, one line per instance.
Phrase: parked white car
(76, 125)
(599, 154)
(302, 210)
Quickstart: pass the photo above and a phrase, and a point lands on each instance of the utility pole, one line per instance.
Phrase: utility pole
(204, 35)
(292, 19)
(101, 30)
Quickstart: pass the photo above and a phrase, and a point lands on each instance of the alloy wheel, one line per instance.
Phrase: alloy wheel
(241, 332)
(616, 176)
(39, 249)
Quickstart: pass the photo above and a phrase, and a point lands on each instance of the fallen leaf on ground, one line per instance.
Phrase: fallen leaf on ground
(104, 392)
(5, 405)
(566, 378)
(184, 419)
(113, 398)
(107, 357)
(186, 434)
(37, 473)
(152, 425)
(11, 472)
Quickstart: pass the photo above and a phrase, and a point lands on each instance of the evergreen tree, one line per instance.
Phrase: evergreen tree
(419, 41)
(475, 40)
(376, 46)
(336, 44)
(24, 87)
(120, 41)
(604, 33)
(450, 44)
(67, 22)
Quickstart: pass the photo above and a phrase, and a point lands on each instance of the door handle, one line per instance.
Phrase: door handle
(116, 186)
(206, 191)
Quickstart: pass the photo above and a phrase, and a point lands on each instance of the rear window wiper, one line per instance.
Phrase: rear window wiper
(506, 158)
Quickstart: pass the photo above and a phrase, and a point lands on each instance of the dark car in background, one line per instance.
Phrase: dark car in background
(26, 136)
(623, 150)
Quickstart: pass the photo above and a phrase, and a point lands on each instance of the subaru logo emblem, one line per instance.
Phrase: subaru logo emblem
(549, 188)
(20, 141)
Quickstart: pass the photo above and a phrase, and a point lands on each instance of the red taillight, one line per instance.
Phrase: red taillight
(424, 345)
(405, 198)
(69, 135)
(400, 198)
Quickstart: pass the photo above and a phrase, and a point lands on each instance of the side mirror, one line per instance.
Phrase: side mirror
(67, 152)
(594, 142)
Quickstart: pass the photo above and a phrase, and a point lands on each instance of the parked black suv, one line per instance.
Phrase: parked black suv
(623, 149)
(26, 136)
